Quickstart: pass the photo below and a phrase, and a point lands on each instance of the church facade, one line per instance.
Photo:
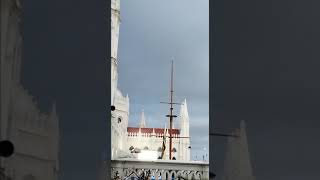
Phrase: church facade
(125, 139)
(34, 134)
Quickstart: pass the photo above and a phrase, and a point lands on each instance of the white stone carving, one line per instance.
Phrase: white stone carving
(161, 168)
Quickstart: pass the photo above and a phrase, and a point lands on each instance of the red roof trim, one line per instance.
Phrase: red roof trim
(150, 130)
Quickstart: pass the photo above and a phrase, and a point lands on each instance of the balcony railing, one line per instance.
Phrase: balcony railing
(159, 169)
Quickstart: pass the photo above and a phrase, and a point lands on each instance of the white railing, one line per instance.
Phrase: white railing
(160, 169)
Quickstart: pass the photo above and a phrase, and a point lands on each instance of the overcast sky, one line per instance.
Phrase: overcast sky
(64, 61)
(266, 62)
(151, 33)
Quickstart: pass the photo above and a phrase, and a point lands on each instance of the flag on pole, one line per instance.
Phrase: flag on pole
(163, 143)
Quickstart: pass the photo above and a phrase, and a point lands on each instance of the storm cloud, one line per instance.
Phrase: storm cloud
(151, 34)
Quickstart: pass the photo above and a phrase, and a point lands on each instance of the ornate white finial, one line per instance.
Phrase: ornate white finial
(184, 115)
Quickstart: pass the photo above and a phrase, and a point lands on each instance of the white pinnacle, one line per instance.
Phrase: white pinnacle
(142, 120)
(237, 162)
(184, 119)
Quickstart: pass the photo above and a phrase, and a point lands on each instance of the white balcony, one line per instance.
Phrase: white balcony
(159, 169)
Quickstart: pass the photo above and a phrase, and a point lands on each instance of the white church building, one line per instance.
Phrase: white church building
(144, 138)
(35, 134)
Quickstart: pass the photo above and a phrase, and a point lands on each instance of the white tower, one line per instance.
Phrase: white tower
(115, 26)
(237, 163)
(119, 120)
(184, 128)
(10, 57)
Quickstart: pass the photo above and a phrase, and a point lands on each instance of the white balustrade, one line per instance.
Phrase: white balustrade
(160, 169)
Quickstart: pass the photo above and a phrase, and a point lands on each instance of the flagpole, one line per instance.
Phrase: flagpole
(163, 142)
(171, 111)
(171, 116)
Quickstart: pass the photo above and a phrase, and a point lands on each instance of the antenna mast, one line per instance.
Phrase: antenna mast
(171, 116)
(171, 110)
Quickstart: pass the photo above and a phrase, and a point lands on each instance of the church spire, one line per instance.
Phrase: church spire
(53, 112)
(142, 120)
(184, 129)
(54, 108)
(237, 163)
(184, 110)
(184, 119)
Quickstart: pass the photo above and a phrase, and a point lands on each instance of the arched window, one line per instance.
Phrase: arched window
(146, 148)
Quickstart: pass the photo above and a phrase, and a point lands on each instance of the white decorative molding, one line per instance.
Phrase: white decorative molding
(187, 170)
